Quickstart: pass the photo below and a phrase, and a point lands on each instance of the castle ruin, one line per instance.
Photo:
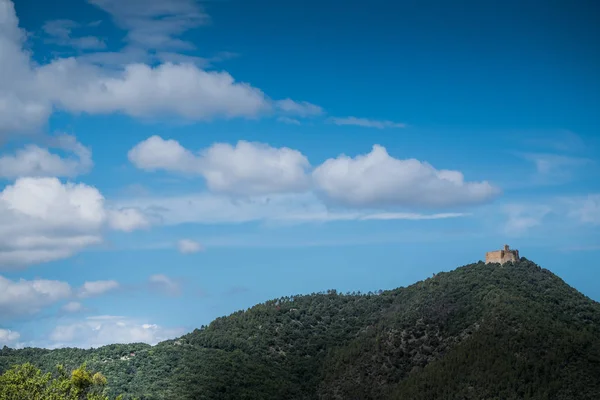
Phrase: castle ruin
(502, 256)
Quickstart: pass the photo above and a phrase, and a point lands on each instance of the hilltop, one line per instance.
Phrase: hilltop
(481, 331)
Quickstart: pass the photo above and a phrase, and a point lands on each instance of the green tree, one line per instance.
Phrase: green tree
(25, 381)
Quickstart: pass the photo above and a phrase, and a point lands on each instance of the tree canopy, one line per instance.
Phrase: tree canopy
(25, 381)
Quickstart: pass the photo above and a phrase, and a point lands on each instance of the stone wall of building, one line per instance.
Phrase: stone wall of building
(502, 256)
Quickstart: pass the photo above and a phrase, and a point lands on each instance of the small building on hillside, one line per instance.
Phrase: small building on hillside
(502, 256)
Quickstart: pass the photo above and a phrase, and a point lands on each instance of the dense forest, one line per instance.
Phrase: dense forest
(514, 331)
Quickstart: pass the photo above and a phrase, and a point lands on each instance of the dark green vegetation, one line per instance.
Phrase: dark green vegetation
(28, 382)
(515, 331)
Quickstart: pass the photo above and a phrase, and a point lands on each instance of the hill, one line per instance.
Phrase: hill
(482, 331)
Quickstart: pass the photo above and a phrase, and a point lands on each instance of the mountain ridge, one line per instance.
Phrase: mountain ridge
(420, 341)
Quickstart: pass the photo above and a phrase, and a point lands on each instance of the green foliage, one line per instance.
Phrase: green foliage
(514, 331)
(28, 382)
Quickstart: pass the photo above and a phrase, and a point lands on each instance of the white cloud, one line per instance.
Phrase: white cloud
(366, 123)
(60, 32)
(411, 216)
(131, 83)
(42, 219)
(24, 297)
(377, 179)
(72, 307)
(37, 161)
(205, 208)
(155, 24)
(21, 107)
(574, 214)
(550, 163)
(165, 284)
(187, 246)
(555, 168)
(156, 153)
(8, 337)
(127, 220)
(96, 288)
(103, 330)
(254, 169)
(522, 217)
(300, 109)
(289, 121)
(244, 169)
(140, 90)
(585, 209)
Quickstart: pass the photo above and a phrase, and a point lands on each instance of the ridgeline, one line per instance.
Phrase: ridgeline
(482, 331)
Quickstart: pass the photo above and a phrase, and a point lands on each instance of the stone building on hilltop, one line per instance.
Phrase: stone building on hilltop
(502, 256)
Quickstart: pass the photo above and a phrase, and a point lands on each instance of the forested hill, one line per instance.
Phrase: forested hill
(515, 331)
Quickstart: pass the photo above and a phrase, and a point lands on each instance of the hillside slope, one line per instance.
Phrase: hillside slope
(515, 331)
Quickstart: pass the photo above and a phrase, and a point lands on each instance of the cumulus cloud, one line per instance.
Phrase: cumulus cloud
(254, 169)
(43, 219)
(103, 330)
(96, 288)
(132, 85)
(36, 161)
(21, 107)
(244, 169)
(187, 246)
(140, 90)
(156, 153)
(366, 123)
(163, 283)
(378, 180)
(8, 337)
(300, 109)
(24, 297)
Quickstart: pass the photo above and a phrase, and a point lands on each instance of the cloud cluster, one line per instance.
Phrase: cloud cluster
(244, 169)
(30, 92)
(35, 161)
(140, 90)
(27, 297)
(8, 337)
(373, 180)
(377, 179)
(103, 330)
(21, 106)
(206, 208)
(43, 219)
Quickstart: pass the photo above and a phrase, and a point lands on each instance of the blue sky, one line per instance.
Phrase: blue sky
(163, 163)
